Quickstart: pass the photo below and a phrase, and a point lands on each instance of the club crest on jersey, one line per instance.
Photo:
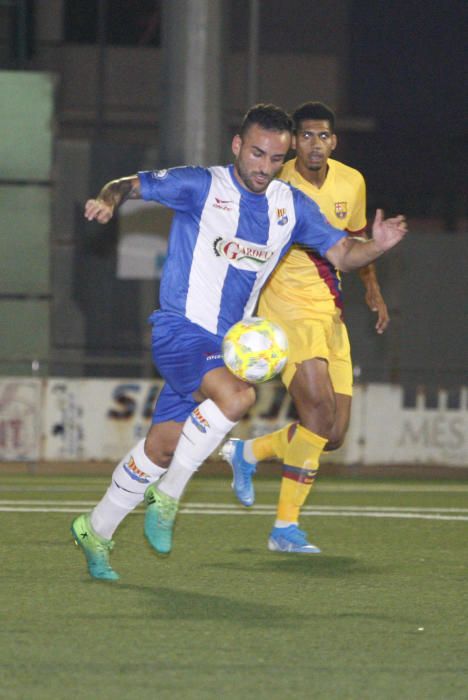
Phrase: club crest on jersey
(341, 210)
(282, 217)
(235, 250)
(199, 420)
(134, 473)
(158, 174)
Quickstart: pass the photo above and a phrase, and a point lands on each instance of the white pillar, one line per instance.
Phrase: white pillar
(192, 82)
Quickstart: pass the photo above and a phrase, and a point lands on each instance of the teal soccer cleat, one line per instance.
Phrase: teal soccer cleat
(161, 511)
(242, 471)
(95, 548)
(292, 540)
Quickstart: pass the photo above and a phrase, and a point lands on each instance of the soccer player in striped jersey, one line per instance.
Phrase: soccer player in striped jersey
(304, 296)
(231, 227)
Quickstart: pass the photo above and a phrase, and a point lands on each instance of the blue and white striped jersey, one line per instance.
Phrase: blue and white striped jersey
(225, 240)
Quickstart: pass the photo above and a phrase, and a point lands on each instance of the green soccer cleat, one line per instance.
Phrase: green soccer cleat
(96, 549)
(161, 511)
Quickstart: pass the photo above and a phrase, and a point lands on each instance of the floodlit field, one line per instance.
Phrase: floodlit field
(380, 614)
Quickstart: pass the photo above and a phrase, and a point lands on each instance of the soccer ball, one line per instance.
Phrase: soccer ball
(255, 349)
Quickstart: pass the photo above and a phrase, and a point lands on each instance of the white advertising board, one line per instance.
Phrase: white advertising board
(97, 419)
(399, 434)
(101, 419)
(20, 416)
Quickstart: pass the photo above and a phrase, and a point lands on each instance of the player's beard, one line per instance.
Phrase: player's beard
(316, 161)
(316, 164)
(249, 181)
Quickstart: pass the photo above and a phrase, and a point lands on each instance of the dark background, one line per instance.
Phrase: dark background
(403, 76)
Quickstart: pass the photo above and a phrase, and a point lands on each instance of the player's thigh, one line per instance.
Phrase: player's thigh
(313, 396)
(308, 340)
(311, 383)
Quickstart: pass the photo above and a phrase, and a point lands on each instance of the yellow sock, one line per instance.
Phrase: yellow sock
(273, 444)
(301, 463)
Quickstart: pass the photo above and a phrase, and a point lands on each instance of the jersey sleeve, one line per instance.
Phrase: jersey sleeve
(181, 188)
(358, 222)
(312, 229)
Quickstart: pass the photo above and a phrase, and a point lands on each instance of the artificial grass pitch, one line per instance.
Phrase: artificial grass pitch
(379, 614)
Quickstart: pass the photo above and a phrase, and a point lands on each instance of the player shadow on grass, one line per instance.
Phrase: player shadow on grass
(319, 565)
(172, 604)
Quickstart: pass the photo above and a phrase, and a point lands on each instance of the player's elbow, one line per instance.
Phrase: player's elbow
(339, 255)
(341, 263)
(343, 266)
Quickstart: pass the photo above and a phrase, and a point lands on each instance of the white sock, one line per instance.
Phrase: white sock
(130, 479)
(283, 523)
(248, 452)
(203, 431)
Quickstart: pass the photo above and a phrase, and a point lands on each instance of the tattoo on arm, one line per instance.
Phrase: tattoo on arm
(118, 191)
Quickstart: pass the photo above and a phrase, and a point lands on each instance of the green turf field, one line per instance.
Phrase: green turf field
(382, 613)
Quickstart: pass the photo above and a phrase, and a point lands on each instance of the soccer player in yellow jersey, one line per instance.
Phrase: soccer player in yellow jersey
(304, 296)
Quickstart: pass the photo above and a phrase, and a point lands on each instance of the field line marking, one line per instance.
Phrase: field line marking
(234, 507)
(188, 510)
(263, 486)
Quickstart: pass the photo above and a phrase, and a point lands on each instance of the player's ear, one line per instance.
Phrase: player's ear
(236, 144)
(334, 142)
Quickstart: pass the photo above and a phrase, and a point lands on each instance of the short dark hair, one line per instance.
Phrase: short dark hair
(313, 110)
(267, 116)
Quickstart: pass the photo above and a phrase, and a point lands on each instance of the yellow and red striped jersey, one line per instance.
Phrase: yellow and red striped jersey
(304, 278)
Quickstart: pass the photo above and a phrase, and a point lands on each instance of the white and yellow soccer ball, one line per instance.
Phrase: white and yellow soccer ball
(255, 349)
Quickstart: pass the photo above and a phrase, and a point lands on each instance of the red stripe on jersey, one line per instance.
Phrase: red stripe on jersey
(292, 429)
(328, 273)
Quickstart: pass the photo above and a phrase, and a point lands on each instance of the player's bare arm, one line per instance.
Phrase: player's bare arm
(351, 254)
(111, 197)
(374, 298)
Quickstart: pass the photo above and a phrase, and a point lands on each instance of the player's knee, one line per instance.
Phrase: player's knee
(336, 437)
(160, 446)
(333, 444)
(319, 422)
(237, 403)
(317, 414)
(243, 400)
(159, 454)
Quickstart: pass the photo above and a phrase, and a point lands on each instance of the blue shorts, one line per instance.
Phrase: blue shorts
(183, 353)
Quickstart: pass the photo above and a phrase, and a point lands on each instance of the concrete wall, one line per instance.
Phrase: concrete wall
(26, 159)
(64, 304)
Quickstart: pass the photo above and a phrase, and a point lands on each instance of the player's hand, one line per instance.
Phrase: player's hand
(99, 210)
(375, 302)
(388, 232)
